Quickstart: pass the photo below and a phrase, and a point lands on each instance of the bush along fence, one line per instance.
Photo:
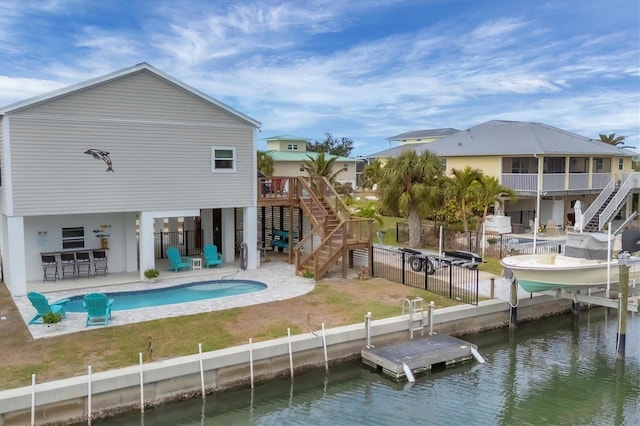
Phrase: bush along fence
(444, 277)
(493, 245)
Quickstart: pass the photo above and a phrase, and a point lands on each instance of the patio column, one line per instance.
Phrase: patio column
(250, 231)
(15, 262)
(131, 242)
(147, 257)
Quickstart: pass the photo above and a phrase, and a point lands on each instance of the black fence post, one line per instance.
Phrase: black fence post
(372, 262)
(403, 265)
(451, 281)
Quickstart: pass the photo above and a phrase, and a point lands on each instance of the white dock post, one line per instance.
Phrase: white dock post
(290, 352)
(89, 395)
(33, 400)
(324, 344)
(367, 322)
(251, 360)
(432, 309)
(141, 384)
(201, 369)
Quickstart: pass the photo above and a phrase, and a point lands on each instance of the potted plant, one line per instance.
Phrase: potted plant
(308, 275)
(50, 319)
(151, 274)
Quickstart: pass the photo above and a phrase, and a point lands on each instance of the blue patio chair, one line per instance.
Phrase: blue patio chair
(211, 255)
(98, 308)
(177, 261)
(42, 305)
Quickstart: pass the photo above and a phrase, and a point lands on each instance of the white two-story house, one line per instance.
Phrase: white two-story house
(109, 162)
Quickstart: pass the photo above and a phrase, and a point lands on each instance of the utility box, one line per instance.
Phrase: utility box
(498, 224)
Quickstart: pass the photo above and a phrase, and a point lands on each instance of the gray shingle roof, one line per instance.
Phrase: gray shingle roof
(511, 138)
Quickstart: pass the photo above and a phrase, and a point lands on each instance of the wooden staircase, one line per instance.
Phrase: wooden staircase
(334, 234)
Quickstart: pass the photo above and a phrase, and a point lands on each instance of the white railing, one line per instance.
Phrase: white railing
(528, 182)
(553, 182)
(600, 180)
(579, 181)
(589, 213)
(632, 181)
(520, 181)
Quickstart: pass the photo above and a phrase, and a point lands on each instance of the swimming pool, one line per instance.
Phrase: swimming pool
(168, 296)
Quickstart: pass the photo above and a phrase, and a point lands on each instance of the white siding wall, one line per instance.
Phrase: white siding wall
(159, 138)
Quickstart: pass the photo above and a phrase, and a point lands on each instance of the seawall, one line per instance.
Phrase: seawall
(66, 401)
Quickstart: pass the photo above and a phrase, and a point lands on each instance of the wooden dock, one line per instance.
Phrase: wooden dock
(420, 355)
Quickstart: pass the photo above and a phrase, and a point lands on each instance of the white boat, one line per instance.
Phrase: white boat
(585, 264)
(541, 272)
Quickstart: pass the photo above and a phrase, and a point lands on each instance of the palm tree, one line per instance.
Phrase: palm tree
(409, 186)
(612, 139)
(460, 187)
(490, 192)
(265, 163)
(321, 166)
(371, 173)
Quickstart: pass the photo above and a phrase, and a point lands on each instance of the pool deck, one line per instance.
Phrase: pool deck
(280, 278)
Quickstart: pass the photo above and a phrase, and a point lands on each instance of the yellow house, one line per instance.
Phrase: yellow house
(290, 152)
(547, 167)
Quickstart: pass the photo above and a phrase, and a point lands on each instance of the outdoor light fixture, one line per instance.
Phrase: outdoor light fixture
(101, 155)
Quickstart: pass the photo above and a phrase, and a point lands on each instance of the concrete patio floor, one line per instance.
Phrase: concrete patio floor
(278, 276)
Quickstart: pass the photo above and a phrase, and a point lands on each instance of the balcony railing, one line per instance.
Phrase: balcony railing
(528, 182)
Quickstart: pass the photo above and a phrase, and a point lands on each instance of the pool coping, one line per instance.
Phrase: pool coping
(280, 278)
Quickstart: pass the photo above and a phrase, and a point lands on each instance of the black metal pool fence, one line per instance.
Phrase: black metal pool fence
(495, 245)
(447, 277)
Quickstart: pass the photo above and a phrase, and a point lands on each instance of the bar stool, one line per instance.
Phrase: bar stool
(68, 261)
(49, 267)
(100, 265)
(83, 263)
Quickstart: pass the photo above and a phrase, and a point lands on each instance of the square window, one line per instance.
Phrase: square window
(620, 164)
(345, 167)
(223, 159)
(302, 167)
(292, 147)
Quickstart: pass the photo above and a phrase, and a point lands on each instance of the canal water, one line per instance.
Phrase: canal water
(557, 371)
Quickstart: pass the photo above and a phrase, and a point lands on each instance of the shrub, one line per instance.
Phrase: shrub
(307, 274)
(51, 317)
(151, 273)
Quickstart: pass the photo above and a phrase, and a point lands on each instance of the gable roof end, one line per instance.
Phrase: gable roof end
(118, 74)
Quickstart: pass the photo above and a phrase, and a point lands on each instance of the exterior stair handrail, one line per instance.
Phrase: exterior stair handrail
(591, 211)
(617, 200)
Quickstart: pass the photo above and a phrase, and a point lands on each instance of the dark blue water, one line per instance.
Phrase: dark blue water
(166, 296)
(552, 372)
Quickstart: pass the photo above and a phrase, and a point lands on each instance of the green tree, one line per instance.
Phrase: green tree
(331, 145)
(460, 188)
(371, 173)
(265, 163)
(409, 186)
(491, 192)
(321, 166)
(369, 211)
(612, 139)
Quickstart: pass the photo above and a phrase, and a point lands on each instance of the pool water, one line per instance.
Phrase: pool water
(191, 292)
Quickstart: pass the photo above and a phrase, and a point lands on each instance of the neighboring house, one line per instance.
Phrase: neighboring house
(174, 153)
(549, 169)
(406, 140)
(422, 136)
(290, 152)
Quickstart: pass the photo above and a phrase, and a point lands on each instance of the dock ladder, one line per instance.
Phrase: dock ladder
(416, 314)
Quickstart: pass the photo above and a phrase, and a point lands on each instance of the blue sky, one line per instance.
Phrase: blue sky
(366, 70)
